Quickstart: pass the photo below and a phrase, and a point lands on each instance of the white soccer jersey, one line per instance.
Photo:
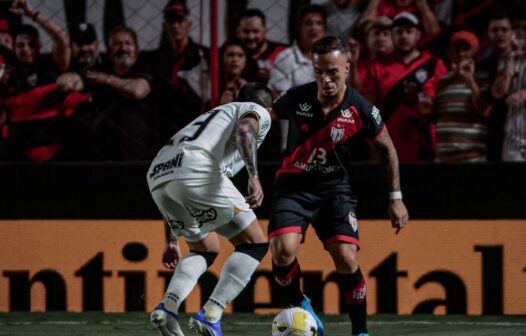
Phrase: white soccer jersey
(212, 133)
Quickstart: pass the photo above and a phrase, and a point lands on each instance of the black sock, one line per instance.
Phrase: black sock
(288, 278)
(354, 292)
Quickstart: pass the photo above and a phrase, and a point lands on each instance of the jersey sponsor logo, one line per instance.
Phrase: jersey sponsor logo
(376, 115)
(175, 224)
(346, 113)
(337, 134)
(316, 167)
(167, 167)
(421, 75)
(202, 216)
(304, 110)
(353, 221)
(346, 117)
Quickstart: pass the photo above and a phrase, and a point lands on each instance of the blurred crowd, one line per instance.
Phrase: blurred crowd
(449, 77)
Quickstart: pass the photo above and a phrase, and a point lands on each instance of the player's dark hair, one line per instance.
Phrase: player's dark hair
(253, 12)
(327, 45)
(257, 93)
(26, 29)
(308, 9)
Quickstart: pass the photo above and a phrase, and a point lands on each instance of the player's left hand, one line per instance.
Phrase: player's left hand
(171, 255)
(255, 192)
(398, 214)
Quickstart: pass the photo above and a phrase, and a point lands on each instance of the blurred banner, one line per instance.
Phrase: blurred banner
(440, 267)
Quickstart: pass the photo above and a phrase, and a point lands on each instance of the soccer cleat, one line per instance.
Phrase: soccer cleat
(305, 304)
(199, 324)
(165, 321)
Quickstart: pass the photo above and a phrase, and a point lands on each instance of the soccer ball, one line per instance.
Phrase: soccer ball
(294, 322)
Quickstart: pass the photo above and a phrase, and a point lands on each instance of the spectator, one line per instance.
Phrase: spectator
(379, 42)
(499, 32)
(461, 128)
(510, 85)
(119, 124)
(84, 48)
(404, 87)
(6, 40)
(181, 70)
(293, 66)
(342, 16)
(234, 62)
(391, 8)
(261, 52)
(35, 105)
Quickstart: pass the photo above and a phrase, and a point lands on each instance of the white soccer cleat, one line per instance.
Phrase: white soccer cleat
(165, 321)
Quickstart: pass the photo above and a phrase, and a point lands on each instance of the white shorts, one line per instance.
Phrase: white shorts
(196, 205)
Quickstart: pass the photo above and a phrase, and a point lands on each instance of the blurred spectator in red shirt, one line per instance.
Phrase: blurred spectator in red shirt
(404, 88)
(391, 8)
(261, 53)
(6, 39)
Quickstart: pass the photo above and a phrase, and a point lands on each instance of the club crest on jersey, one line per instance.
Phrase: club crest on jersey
(337, 134)
(353, 221)
(421, 75)
(304, 110)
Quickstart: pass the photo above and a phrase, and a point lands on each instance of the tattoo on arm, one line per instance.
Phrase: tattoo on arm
(389, 160)
(246, 143)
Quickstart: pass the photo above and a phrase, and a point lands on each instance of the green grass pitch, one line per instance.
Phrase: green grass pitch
(101, 324)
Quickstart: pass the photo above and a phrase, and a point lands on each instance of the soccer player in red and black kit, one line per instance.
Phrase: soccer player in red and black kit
(312, 185)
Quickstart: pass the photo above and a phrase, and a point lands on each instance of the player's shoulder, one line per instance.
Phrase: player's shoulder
(300, 92)
(354, 98)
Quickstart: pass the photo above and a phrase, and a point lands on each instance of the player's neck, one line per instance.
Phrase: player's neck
(329, 103)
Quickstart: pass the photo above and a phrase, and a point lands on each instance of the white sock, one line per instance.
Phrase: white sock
(235, 275)
(184, 280)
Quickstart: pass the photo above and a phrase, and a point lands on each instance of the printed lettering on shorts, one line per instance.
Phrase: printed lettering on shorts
(175, 225)
(167, 167)
(202, 216)
(353, 221)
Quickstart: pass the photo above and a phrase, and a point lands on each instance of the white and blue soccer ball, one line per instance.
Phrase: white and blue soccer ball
(294, 322)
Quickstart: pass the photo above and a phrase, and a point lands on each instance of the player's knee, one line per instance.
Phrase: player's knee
(284, 249)
(210, 257)
(256, 251)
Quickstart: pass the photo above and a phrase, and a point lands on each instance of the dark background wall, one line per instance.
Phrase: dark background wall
(119, 191)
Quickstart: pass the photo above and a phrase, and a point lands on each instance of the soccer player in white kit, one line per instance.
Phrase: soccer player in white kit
(189, 182)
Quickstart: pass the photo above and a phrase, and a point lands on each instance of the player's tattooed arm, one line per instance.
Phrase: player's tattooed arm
(246, 143)
(387, 155)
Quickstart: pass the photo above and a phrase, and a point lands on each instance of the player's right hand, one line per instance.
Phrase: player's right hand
(398, 214)
(255, 192)
(171, 255)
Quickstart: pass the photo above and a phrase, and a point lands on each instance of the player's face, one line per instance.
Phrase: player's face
(234, 60)
(500, 33)
(405, 38)
(26, 48)
(123, 49)
(330, 70)
(251, 32)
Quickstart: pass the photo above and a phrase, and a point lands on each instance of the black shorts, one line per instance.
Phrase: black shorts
(330, 210)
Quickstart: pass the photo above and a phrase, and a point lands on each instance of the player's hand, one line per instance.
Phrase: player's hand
(171, 255)
(398, 214)
(255, 192)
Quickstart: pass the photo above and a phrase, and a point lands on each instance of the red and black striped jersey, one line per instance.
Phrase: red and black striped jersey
(318, 142)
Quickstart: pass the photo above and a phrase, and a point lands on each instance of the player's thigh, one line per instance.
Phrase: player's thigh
(252, 234)
(169, 198)
(209, 243)
(336, 220)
